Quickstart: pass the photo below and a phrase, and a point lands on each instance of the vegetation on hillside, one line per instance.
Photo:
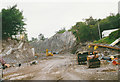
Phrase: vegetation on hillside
(41, 37)
(13, 24)
(112, 37)
(88, 30)
(61, 31)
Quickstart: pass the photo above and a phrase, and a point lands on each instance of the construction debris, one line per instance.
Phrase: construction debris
(16, 52)
(115, 42)
(34, 62)
(105, 46)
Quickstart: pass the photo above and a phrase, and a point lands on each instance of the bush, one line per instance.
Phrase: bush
(111, 38)
(115, 35)
(106, 40)
(61, 31)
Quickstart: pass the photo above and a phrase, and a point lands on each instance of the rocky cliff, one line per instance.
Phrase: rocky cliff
(57, 43)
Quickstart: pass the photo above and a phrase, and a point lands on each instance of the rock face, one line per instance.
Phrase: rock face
(57, 43)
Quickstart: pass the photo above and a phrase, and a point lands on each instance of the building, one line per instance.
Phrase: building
(106, 33)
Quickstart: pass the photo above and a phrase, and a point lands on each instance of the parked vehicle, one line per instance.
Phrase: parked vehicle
(90, 57)
(93, 60)
(82, 57)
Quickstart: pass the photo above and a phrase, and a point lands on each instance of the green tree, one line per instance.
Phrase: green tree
(34, 39)
(88, 30)
(110, 22)
(12, 22)
(90, 21)
(41, 37)
(61, 31)
(81, 32)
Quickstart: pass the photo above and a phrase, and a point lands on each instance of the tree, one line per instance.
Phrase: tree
(110, 22)
(88, 30)
(81, 32)
(41, 37)
(34, 39)
(12, 22)
(61, 31)
(91, 21)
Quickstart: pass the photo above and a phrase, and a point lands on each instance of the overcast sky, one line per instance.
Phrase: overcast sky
(49, 16)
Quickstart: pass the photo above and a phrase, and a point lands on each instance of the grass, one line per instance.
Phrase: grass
(111, 38)
(105, 40)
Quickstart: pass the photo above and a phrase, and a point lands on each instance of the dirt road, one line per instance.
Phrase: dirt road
(60, 67)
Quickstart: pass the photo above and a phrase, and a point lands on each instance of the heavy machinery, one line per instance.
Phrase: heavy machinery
(82, 57)
(48, 53)
(90, 57)
(93, 60)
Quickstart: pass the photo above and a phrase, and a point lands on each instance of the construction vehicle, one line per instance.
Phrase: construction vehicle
(93, 60)
(82, 57)
(90, 57)
(48, 53)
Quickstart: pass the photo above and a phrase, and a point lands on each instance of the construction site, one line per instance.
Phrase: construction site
(85, 49)
(23, 62)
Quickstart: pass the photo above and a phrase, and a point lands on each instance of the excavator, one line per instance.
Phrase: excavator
(48, 53)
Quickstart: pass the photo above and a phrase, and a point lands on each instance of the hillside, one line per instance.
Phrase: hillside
(59, 42)
(111, 38)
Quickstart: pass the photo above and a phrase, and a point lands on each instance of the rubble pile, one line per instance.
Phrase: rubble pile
(85, 47)
(58, 43)
(14, 52)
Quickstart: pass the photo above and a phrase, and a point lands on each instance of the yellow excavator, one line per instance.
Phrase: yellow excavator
(48, 53)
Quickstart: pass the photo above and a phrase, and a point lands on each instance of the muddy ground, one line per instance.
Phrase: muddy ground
(60, 67)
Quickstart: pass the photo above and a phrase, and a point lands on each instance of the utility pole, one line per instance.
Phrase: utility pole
(99, 30)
